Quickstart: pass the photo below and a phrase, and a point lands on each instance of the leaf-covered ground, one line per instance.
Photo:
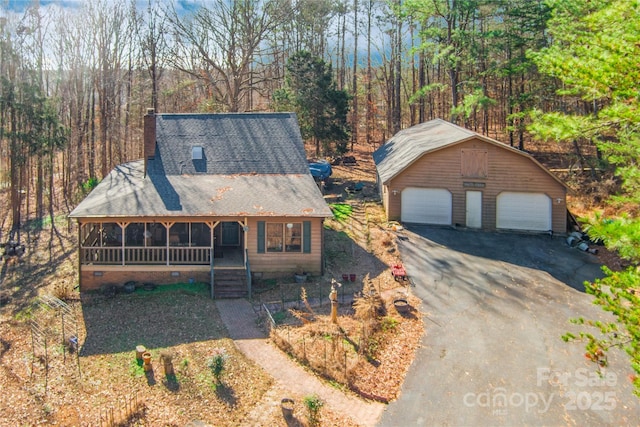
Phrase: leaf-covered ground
(108, 383)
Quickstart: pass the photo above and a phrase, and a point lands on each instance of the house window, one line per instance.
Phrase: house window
(284, 237)
(275, 237)
(293, 237)
(196, 153)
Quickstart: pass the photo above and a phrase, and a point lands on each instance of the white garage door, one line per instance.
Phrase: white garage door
(524, 211)
(426, 206)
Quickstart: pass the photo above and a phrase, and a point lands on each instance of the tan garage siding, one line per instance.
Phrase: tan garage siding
(507, 171)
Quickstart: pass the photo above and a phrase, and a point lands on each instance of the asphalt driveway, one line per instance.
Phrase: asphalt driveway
(495, 307)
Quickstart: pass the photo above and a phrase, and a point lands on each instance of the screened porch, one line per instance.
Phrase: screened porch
(160, 243)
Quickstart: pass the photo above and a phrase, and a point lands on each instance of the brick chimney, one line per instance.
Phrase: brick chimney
(149, 137)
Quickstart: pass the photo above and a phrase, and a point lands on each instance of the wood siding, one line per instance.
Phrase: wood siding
(286, 262)
(507, 171)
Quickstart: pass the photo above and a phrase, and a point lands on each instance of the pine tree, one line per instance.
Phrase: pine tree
(322, 109)
(595, 53)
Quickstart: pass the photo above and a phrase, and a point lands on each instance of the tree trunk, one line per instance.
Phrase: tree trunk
(397, 110)
(14, 172)
(354, 120)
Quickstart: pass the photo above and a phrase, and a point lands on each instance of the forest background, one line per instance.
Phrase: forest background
(77, 77)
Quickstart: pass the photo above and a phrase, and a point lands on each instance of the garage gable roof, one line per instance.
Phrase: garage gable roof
(409, 145)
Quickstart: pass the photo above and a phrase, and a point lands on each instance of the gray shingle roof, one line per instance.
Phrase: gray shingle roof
(253, 165)
(127, 192)
(409, 144)
(262, 143)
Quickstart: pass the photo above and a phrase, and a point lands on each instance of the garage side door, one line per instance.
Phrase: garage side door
(523, 211)
(426, 206)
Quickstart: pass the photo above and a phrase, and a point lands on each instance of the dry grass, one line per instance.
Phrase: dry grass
(61, 388)
(56, 389)
(368, 360)
(186, 324)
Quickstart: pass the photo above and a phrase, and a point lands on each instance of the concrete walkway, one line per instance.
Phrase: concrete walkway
(240, 320)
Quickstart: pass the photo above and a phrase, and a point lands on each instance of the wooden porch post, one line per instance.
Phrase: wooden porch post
(80, 263)
(167, 227)
(212, 225)
(245, 233)
(123, 225)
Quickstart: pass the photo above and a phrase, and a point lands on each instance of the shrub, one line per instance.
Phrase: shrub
(217, 363)
(63, 290)
(313, 403)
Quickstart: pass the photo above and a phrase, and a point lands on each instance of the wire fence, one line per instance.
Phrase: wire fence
(331, 353)
(123, 412)
(288, 296)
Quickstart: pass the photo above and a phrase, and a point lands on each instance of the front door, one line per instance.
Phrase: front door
(474, 209)
(230, 234)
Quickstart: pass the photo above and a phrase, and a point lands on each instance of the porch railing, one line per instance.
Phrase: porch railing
(189, 256)
(137, 255)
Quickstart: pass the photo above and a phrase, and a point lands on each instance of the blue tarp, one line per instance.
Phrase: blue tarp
(320, 169)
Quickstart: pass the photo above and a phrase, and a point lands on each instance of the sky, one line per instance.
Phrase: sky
(19, 6)
(182, 7)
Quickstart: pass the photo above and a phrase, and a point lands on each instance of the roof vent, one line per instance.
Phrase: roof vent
(196, 153)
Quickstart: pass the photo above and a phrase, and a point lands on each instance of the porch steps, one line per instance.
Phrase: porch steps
(230, 284)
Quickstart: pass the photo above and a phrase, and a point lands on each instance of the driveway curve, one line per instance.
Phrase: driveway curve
(495, 306)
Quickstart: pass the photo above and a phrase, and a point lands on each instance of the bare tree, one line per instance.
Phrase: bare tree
(354, 89)
(312, 21)
(111, 25)
(219, 45)
(151, 34)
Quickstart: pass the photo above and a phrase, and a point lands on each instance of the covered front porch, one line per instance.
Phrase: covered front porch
(218, 244)
(165, 252)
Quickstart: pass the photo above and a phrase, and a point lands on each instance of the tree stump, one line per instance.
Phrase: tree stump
(167, 362)
(140, 349)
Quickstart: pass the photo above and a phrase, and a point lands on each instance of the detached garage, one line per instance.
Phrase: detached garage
(442, 174)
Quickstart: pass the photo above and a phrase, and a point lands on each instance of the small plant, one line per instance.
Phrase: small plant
(63, 290)
(47, 409)
(304, 316)
(279, 317)
(369, 306)
(314, 404)
(136, 369)
(217, 363)
(388, 323)
(341, 211)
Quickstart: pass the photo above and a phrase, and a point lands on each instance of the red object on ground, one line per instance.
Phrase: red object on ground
(398, 272)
